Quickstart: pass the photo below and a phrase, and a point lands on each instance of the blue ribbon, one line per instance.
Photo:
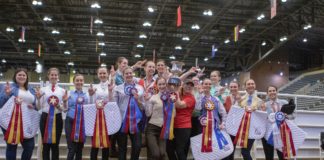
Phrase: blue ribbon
(50, 123)
(221, 140)
(137, 117)
(278, 122)
(168, 108)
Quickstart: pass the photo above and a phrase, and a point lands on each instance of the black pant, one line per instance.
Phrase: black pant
(231, 156)
(268, 151)
(196, 126)
(27, 145)
(75, 148)
(155, 145)
(136, 140)
(47, 147)
(246, 152)
(94, 153)
(178, 147)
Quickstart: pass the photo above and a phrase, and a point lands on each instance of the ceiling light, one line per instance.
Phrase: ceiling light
(21, 41)
(70, 64)
(55, 31)
(172, 57)
(307, 26)
(10, 29)
(67, 52)
(205, 59)
(137, 56)
(30, 50)
(3, 61)
(61, 42)
(103, 65)
(47, 19)
(1, 74)
(95, 5)
(100, 34)
(208, 13)
(142, 36)
(103, 54)
(195, 27)
(147, 24)
(264, 43)
(36, 62)
(281, 73)
(305, 40)
(98, 21)
(283, 1)
(283, 38)
(101, 43)
(140, 45)
(37, 3)
(178, 47)
(150, 9)
(226, 41)
(185, 38)
(260, 17)
(242, 30)
(215, 50)
(73, 71)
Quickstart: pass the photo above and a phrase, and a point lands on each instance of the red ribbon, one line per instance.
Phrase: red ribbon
(287, 141)
(103, 139)
(207, 134)
(242, 134)
(11, 133)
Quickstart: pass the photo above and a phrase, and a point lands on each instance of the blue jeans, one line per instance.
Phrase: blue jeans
(28, 147)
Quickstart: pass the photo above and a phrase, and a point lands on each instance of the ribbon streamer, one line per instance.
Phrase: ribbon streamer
(14, 133)
(78, 128)
(168, 118)
(100, 137)
(50, 128)
(243, 131)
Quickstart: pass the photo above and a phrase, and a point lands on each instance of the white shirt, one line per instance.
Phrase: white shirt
(101, 92)
(26, 96)
(47, 91)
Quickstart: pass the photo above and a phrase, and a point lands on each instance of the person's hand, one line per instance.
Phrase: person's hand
(249, 109)
(38, 93)
(112, 71)
(222, 126)
(111, 86)
(147, 96)
(192, 70)
(30, 106)
(221, 90)
(91, 90)
(139, 64)
(65, 96)
(8, 89)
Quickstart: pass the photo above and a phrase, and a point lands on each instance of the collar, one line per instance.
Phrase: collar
(78, 91)
(104, 83)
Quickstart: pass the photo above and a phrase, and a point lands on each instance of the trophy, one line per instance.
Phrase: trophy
(176, 70)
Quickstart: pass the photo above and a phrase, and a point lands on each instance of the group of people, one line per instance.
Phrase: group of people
(164, 109)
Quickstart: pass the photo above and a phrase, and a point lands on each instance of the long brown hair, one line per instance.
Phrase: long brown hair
(16, 72)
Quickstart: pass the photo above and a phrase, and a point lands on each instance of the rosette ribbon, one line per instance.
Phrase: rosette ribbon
(100, 137)
(14, 133)
(168, 114)
(50, 127)
(78, 128)
(133, 114)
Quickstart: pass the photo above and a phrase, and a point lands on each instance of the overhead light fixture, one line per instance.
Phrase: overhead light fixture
(305, 40)
(185, 38)
(1, 74)
(178, 47)
(283, 38)
(172, 57)
(103, 54)
(283, 1)
(307, 26)
(281, 73)
(100, 34)
(140, 45)
(137, 56)
(70, 64)
(55, 31)
(103, 65)
(260, 17)
(73, 71)
(3, 61)
(37, 2)
(205, 59)
(195, 27)
(61, 42)
(95, 5)
(264, 43)
(150, 9)
(47, 19)
(142, 36)
(226, 41)
(30, 50)
(215, 49)
(207, 12)
(101, 43)
(98, 21)
(21, 41)
(242, 30)
(10, 29)
(147, 24)
(36, 62)
(67, 52)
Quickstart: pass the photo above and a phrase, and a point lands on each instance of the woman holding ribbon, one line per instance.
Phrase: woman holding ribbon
(272, 106)
(50, 99)
(101, 93)
(129, 97)
(155, 108)
(216, 89)
(74, 122)
(22, 93)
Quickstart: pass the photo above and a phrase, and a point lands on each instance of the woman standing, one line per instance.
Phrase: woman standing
(185, 104)
(50, 99)
(272, 106)
(154, 110)
(129, 97)
(216, 89)
(20, 89)
(74, 122)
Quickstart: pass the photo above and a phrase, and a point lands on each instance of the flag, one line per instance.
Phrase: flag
(22, 35)
(236, 33)
(273, 8)
(179, 19)
(96, 45)
(39, 50)
(91, 24)
(213, 51)
(154, 55)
